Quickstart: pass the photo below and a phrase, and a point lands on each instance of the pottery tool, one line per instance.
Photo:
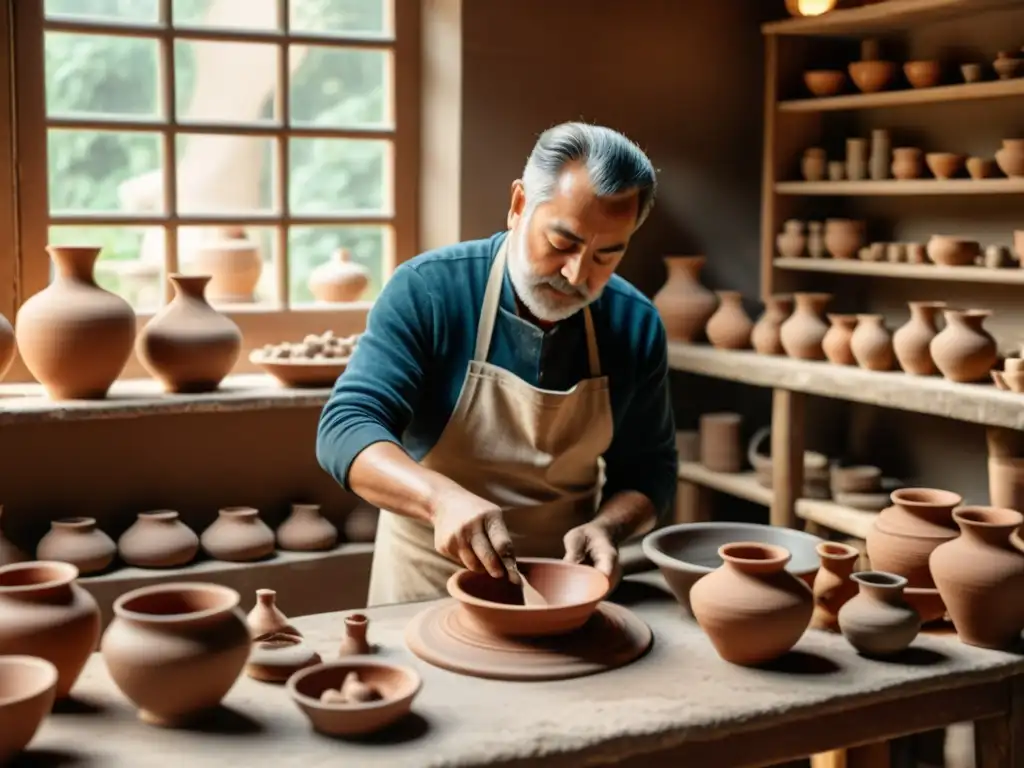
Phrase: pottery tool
(531, 596)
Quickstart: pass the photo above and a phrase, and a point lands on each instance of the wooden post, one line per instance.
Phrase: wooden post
(787, 455)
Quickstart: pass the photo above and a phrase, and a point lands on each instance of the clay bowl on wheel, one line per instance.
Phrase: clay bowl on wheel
(298, 373)
(396, 684)
(572, 592)
(685, 552)
(28, 687)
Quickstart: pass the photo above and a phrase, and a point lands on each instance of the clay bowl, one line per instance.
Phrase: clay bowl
(948, 251)
(398, 685)
(572, 592)
(856, 479)
(872, 76)
(981, 167)
(28, 687)
(944, 165)
(923, 74)
(685, 552)
(301, 373)
(824, 82)
(927, 602)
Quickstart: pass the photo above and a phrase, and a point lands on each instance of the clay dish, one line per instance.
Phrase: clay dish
(28, 688)
(871, 76)
(923, 74)
(1014, 380)
(572, 593)
(301, 373)
(926, 601)
(944, 165)
(949, 251)
(824, 82)
(397, 684)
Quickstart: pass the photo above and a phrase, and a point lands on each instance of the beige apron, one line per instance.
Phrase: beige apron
(530, 451)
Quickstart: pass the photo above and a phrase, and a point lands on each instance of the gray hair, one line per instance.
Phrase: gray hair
(615, 164)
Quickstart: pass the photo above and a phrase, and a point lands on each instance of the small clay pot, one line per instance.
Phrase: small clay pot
(729, 327)
(911, 341)
(306, 530)
(948, 251)
(765, 337)
(824, 82)
(843, 237)
(944, 165)
(836, 343)
(355, 642)
(792, 241)
(1007, 65)
(683, 304)
(923, 74)
(238, 535)
(981, 167)
(836, 170)
(814, 163)
(871, 343)
(1010, 158)
(907, 163)
(972, 73)
(964, 351)
(266, 618)
(878, 621)
(832, 584)
(802, 333)
(339, 280)
(158, 539)
(78, 541)
(720, 446)
(872, 76)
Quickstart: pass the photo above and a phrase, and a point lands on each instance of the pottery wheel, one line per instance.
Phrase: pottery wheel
(614, 637)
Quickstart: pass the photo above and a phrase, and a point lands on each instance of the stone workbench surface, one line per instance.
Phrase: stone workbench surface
(679, 691)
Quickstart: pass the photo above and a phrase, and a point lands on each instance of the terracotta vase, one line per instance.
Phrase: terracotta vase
(158, 539)
(9, 551)
(77, 540)
(306, 530)
(980, 576)
(751, 608)
(814, 164)
(266, 618)
(791, 242)
(175, 650)
(911, 342)
(8, 347)
(766, 335)
(832, 584)
(683, 303)
(871, 343)
(234, 266)
(803, 332)
(720, 446)
(340, 279)
(75, 337)
(1010, 158)
(188, 345)
(729, 327)
(908, 163)
(964, 351)
(843, 237)
(836, 343)
(815, 239)
(238, 535)
(355, 642)
(44, 613)
(361, 524)
(879, 621)
(902, 537)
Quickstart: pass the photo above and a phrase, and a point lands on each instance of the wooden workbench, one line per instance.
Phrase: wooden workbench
(679, 705)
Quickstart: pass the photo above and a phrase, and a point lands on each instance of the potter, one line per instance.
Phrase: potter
(494, 374)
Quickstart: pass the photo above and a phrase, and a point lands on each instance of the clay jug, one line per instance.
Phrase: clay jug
(964, 351)
(792, 241)
(188, 345)
(158, 539)
(871, 343)
(879, 621)
(77, 540)
(234, 265)
(683, 303)
(911, 341)
(902, 537)
(765, 336)
(238, 535)
(75, 337)
(844, 237)
(306, 530)
(361, 524)
(175, 650)
(832, 584)
(266, 618)
(751, 608)
(980, 576)
(9, 551)
(729, 327)
(44, 613)
(803, 332)
(339, 280)
(7, 346)
(354, 643)
(908, 163)
(836, 344)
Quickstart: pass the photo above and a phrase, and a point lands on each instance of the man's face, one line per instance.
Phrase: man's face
(563, 251)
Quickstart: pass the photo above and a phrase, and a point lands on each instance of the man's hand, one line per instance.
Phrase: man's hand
(593, 543)
(471, 531)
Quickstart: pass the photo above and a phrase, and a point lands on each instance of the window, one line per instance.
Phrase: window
(250, 139)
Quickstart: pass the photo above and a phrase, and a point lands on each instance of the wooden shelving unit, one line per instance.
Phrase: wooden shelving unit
(909, 97)
(1007, 276)
(909, 187)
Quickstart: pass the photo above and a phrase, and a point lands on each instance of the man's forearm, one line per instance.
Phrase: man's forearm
(626, 514)
(386, 476)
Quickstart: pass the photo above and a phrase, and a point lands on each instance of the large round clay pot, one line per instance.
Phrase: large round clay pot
(78, 540)
(7, 346)
(175, 650)
(801, 335)
(729, 327)
(765, 336)
(950, 251)
(871, 343)
(340, 279)
(188, 345)
(751, 608)
(44, 613)
(234, 266)
(903, 536)
(75, 337)
(1011, 157)
(837, 339)
(683, 303)
(980, 576)
(912, 340)
(964, 351)
(238, 535)
(879, 621)
(306, 530)
(833, 587)
(791, 242)
(844, 237)
(158, 539)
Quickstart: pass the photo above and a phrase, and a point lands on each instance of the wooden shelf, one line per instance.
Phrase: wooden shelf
(995, 89)
(1005, 276)
(890, 16)
(909, 187)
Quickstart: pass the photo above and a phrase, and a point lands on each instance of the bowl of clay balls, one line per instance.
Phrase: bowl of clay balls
(316, 361)
(354, 697)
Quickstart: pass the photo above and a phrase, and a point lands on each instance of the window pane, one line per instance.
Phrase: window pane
(124, 11)
(131, 263)
(341, 17)
(340, 87)
(240, 261)
(227, 14)
(330, 176)
(101, 75)
(310, 247)
(225, 82)
(108, 171)
(226, 174)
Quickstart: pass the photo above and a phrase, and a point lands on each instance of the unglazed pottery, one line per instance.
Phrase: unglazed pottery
(981, 167)
(239, 535)
(972, 72)
(7, 346)
(949, 251)
(911, 341)
(803, 332)
(188, 345)
(824, 82)
(158, 539)
(880, 161)
(729, 327)
(791, 242)
(944, 165)
(44, 613)
(75, 338)
(815, 239)
(766, 336)
(683, 303)
(306, 530)
(833, 586)
(907, 163)
(1010, 158)
(234, 265)
(340, 279)
(836, 344)
(980, 576)
(9, 551)
(355, 642)
(77, 540)
(175, 650)
(843, 237)
(964, 351)
(870, 74)
(1007, 65)
(856, 159)
(871, 343)
(276, 657)
(28, 686)
(721, 448)
(923, 74)
(836, 170)
(266, 618)
(361, 524)
(813, 164)
(879, 621)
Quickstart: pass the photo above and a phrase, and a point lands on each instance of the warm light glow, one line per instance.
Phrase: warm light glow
(810, 7)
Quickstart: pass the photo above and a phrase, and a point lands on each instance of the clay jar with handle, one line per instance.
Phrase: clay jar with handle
(879, 621)
(340, 279)
(765, 337)
(7, 346)
(77, 540)
(964, 351)
(871, 343)
(355, 642)
(158, 539)
(729, 327)
(751, 608)
(266, 618)
(238, 535)
(803, 332)
(832, 584)
(188, 345)
(836, 344)
(791, 242)
(683, 303)
(175, 650)
(843, 237)
(911, 341)
(903, 536)
(75, 337)
(980, 576)
(306, 530)
(44, 613)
